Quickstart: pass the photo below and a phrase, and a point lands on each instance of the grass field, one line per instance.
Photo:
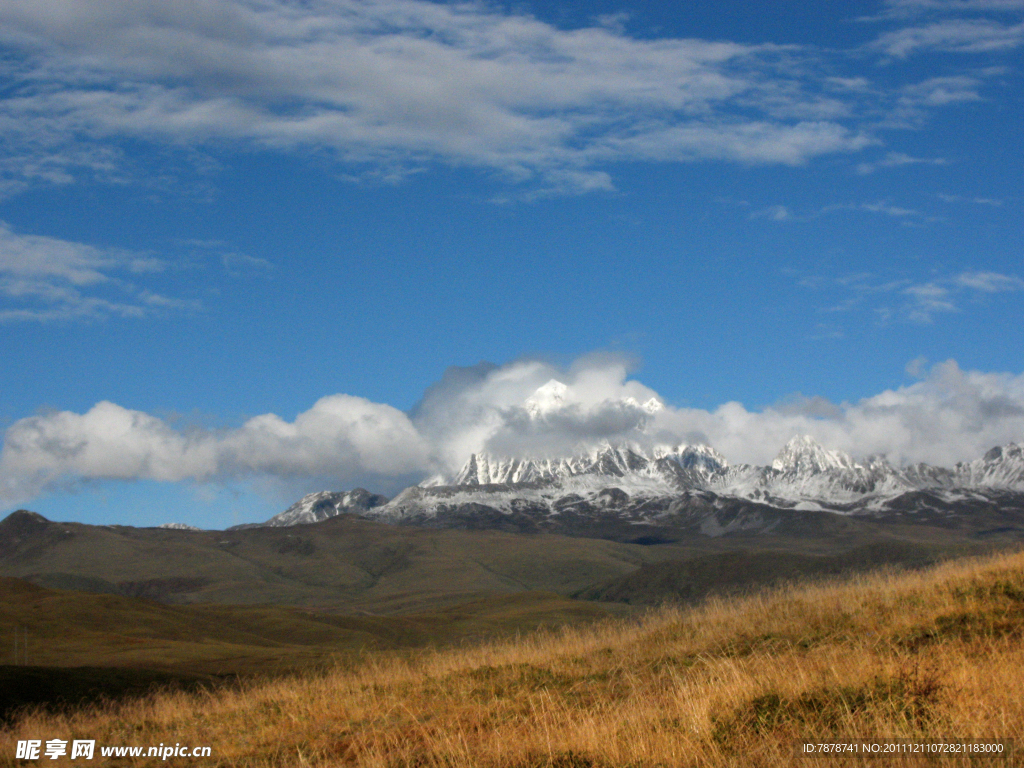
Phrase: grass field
(82, 647)
(928, 655)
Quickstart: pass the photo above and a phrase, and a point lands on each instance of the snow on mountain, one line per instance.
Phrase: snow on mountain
(637, 483)
(804, 471)
(802, 456)
(179, 527)
(314, 507)
(676, 466)
(1001, 467)
(547, 398)
(804, 475)
(555, 395)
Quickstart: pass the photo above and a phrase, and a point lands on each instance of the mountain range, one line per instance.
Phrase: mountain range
(615, 523)
(613, 489)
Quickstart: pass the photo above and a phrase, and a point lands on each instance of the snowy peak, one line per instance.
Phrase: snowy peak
(632, 481)
(694, 457)
(556, 395)
(485, 469)
(802, 471)
(1001, 467)
(803, 455)
(314, 507)
(618, 461)
(548, 397)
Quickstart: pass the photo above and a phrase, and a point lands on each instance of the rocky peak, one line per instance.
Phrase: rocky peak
(803, 455)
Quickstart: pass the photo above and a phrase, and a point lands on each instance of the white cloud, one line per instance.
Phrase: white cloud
(390, 86)
(976, 200)
(918, 302)
(879, 206)
(48, 279)
(389, 82)
(884, 207)
(45, 278)
(342, 437)
(897, 160)
(953, 36)
(950, 416)
(988, 282)
(773, 213)
(900, 8)
(927, 300)
(940, 91)
(522, 408)
(931, 298)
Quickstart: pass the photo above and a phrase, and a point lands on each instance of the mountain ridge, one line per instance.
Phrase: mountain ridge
(648, 484)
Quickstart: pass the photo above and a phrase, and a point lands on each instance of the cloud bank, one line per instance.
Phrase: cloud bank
(522, 408)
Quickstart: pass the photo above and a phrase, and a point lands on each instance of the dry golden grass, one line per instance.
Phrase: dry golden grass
(929, 655)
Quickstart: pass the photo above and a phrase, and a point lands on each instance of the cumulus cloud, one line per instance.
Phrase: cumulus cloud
(345, 438)
(950, 416)
(532, 408)
(524, 408)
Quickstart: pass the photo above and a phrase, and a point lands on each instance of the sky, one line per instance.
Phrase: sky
(251, 249)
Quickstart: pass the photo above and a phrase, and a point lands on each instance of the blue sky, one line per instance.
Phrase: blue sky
(792, 217)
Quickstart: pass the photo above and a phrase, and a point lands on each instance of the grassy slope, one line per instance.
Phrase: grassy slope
(341, 564)
(70, 629)
(85, 646)
(929, 655)
(728, 573)
(350, 564)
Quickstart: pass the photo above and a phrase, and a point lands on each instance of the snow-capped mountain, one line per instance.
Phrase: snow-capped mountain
(803, 476)
(802, 455)
(1001, 467)
(806, 473)
(803, 471)
(639, 481)
(618, 486)
(314, 507)
(678, 466)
